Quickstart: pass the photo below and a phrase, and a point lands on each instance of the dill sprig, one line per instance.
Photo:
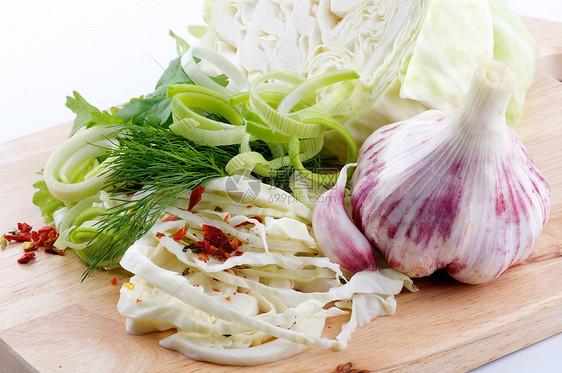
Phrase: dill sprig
(158, 166)
(165, 165)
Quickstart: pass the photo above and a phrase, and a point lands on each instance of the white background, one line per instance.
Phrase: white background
(111, 51)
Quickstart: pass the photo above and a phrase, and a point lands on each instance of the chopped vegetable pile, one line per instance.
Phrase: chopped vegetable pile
(258, 281)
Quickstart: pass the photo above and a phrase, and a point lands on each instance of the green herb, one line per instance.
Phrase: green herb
(182, 46)
(43, 199)
(88, 115)
(155, 109)
(166, 165)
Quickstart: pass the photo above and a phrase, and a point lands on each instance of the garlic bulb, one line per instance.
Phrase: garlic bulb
(452, 190)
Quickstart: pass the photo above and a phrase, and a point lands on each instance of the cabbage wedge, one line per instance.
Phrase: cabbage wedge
(412, 55)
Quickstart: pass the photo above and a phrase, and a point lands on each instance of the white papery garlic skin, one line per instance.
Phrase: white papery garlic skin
(456, 191)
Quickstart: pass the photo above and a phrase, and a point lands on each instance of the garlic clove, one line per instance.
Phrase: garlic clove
(336, 235)
(452, 190)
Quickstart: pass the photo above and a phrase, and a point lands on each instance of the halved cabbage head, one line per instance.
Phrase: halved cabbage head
(412, 55)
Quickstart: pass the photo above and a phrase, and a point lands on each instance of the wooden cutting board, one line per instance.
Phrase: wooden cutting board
(50, 322)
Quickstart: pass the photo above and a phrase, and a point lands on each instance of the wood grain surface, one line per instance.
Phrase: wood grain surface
(50, 322)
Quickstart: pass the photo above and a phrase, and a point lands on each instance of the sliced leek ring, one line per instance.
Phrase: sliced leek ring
(58, 168)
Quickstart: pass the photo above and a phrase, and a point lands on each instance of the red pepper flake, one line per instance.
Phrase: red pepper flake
(47, 240)
(247, 222)
(226, 217)
(237, 253)
(54, 250)
(24, 227)
(235, 244)
(139, 300)
(248, 207)
(44, 237)
(160, 234)
(202, 257)
(227, 298)
(45, 229)
(169, 218)
(216, 244)
(180, 233)
(21, 237)
(113, 281)
(25, 258)
(195, 197)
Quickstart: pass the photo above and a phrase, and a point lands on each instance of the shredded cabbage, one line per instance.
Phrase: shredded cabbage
(268, 303)
(412, 55)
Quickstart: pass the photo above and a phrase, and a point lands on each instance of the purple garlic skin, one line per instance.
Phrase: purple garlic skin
(456, 191)
(336, 235)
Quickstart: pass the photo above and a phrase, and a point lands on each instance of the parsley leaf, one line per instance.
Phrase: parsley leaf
(87, 114)
(156, 108)
(43, 199)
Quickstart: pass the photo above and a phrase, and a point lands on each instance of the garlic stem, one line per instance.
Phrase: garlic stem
(482, 113)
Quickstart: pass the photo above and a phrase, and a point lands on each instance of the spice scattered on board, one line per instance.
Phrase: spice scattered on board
(31, 240)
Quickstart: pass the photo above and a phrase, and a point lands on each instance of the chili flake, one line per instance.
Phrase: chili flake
(54, 250)
(21, 237)
(169, 218)
(195, 197)
(180, 233)
(44, 237)
(25, 258)
(24, 227)
(160, 234)
(247, 222)
(113, 281)
(227, 298)
(139, 300)
(45, 229)
(235, 244)
(216, 244)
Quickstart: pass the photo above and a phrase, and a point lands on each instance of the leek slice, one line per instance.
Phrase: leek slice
(311, 86)
(238, 81)
(188, 128)
(184, 103)
(72, 150)
(296, 162)
(282, 123)
(309, 116)
(247, 162)
(265, 133)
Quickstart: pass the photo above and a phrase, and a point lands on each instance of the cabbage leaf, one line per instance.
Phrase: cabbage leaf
(412, 55)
